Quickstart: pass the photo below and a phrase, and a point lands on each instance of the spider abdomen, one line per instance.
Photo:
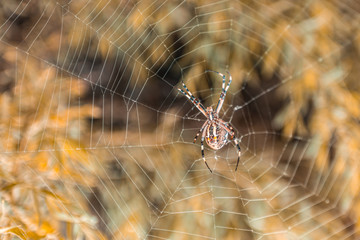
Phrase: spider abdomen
(216, 136)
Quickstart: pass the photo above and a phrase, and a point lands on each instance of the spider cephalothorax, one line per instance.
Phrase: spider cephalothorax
(215, 131)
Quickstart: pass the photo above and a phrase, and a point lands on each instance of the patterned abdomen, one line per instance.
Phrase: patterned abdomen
(216, 136)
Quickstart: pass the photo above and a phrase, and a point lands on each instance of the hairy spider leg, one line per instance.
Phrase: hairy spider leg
(191, 95)
(193, 99)
(223, 91)
(201, 129)
(202, 149)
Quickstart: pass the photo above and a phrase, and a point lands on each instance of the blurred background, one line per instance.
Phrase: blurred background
(96, 141)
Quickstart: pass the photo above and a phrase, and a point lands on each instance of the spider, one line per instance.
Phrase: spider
(215, 131)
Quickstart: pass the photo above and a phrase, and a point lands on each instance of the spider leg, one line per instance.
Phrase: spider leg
(202, 150)
(230, 80)
(201, 129)
(230, 130)
(223, 77)
(193, 99)
(190, 94)
(224, 90)
(239, 153)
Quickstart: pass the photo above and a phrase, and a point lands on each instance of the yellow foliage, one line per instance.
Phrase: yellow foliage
(32, 137)
(17, 231)
(310, 80)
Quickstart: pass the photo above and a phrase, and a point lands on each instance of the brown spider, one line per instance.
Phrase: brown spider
(215, 130)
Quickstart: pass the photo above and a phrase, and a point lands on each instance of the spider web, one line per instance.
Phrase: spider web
(129, 57)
